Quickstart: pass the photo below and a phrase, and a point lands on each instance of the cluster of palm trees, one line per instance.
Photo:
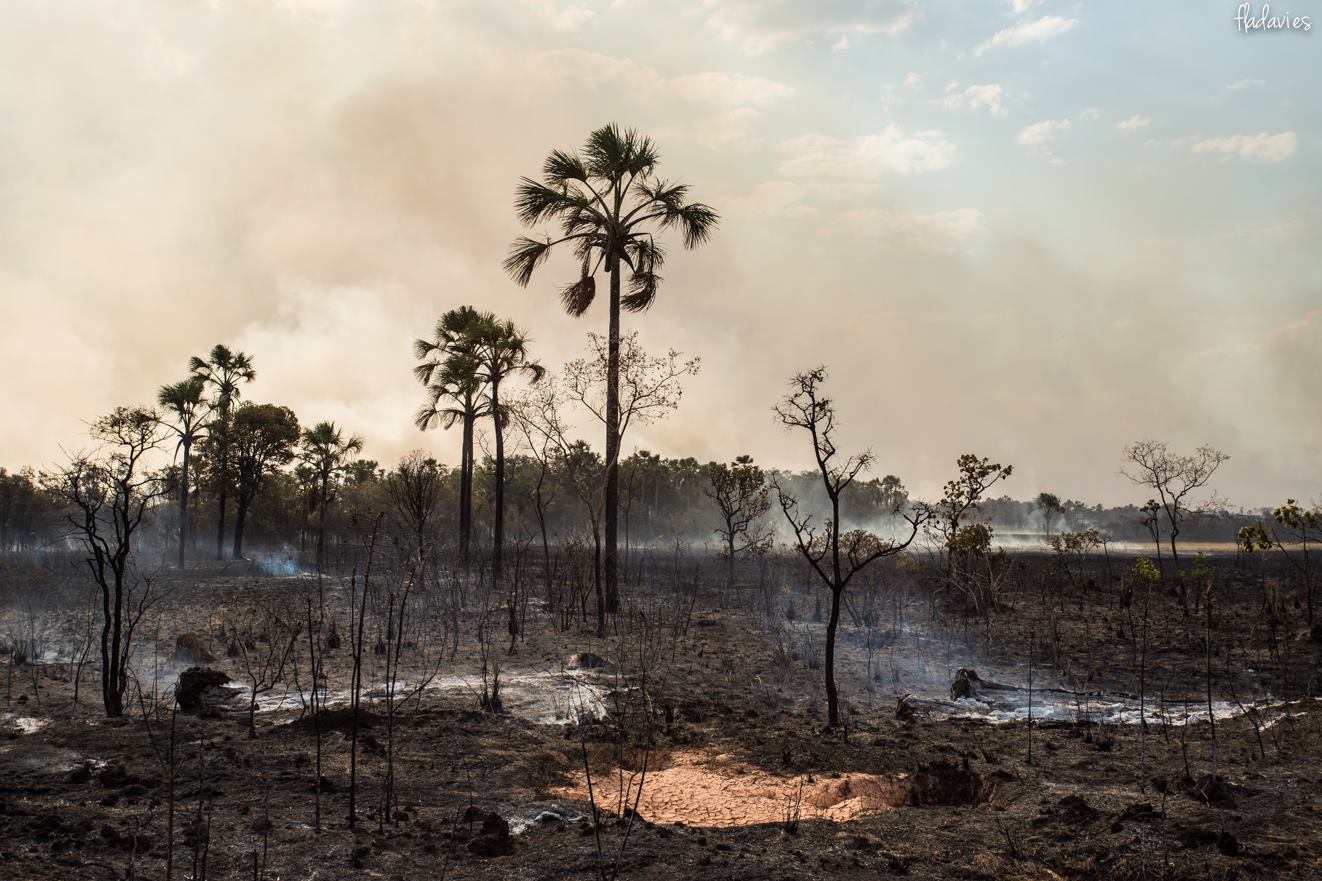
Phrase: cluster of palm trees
(246, 443)
(470, 355)
(610, 207)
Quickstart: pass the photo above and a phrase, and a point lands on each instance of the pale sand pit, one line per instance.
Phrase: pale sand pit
(718, 792)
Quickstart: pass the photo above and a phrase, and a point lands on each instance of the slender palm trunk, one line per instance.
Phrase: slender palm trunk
(223, 485)
(498, 538)
(612, 500)
(183, 500)
(321, 522)
(596, 579)
(466, 487)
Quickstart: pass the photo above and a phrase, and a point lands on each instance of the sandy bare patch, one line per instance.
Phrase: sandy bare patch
(717, 792)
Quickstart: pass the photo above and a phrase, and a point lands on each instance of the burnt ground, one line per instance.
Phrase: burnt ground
(86, 797)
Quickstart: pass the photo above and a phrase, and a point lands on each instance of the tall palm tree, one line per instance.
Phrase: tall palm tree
(610, 206)
(326, 450)
(223, 371)
(449, 371)
(501, 351)
(184, 402)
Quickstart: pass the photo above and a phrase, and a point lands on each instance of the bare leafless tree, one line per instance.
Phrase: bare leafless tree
(264, 651)
(649, 389)
(110, 492)
(834, 554)
(1173, 477)
(532, 416)
(541, 415)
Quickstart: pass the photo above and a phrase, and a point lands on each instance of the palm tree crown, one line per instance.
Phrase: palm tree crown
(184, 401)
(449, 368)
(610, 204)
(224, 370)
(325, 445)
(501, 350)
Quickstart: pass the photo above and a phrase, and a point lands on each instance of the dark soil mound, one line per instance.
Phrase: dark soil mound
(587, 661)
(200, 689)
(189, 648)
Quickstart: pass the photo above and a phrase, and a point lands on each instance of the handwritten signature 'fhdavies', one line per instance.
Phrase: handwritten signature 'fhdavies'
(1246, 21)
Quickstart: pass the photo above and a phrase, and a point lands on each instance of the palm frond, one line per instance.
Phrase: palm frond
(426, 417)
(183, 396)
(581, 218)
(642, 291)
(696, 221)
(642, 252)
(525, 256)
(614, 153)
(425, 371)
(563, 166)
(534, 202)
(423, 348)
(577, 297)
(662, 194)
(645, 156)
(534, 370)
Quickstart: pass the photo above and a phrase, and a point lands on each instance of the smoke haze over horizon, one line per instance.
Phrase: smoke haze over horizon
(1036, 231)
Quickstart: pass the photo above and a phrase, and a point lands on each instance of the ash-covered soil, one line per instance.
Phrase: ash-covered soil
(717, 714)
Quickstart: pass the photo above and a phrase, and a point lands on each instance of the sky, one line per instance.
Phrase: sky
(1030, 229)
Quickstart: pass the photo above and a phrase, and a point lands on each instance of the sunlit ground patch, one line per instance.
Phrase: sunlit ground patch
(705, 791)
(22, 725)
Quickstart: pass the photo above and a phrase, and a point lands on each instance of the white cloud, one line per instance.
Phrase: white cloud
(1036, 30)
(1244, 84)
(761, 27)
(866, 157)
(1090, 113)
(1136, 121)
(1262, 147)
(935, 231)
(841, 44)
(913, 80)
(1040, 133)
(976, 97)
(1019, 7)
